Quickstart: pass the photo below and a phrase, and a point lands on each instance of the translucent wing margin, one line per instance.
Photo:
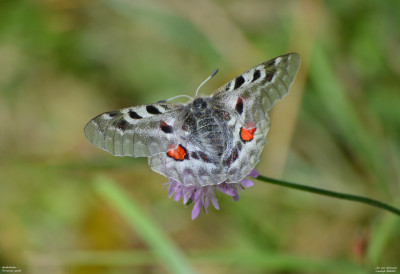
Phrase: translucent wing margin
(137, 131)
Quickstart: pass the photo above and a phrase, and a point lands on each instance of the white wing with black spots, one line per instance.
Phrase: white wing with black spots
(137, 131)
(259, 88)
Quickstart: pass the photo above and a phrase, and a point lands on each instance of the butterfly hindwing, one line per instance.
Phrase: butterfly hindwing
(194, 168)
(137, 131)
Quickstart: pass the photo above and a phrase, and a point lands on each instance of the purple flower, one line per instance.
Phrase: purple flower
(201, 196)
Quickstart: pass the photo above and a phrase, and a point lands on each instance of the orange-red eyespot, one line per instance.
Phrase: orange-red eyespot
(178, 153)
(247, 134)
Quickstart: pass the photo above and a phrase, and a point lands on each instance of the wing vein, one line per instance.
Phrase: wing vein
(105, 132)
(115, 130)
(133, 143)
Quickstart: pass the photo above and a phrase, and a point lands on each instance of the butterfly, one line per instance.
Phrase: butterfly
(208, 140)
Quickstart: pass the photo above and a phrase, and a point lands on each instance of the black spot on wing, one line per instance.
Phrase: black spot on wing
(239, 146)
(134, 115)
(270, 74)
(165, 127)
(152, 109)
(269, 63)
(194, 155)
(232, 158)
(122, 124)
(239, 81)
(256, 75)
(204, 157)
(113, 113)
(239, 105)
(235, 155)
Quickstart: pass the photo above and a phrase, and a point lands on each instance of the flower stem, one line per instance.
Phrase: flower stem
(343, 196)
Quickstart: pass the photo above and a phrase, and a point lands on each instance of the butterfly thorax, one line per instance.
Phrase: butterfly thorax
(204, 121)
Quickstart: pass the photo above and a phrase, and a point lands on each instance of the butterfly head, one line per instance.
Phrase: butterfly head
(199, 104)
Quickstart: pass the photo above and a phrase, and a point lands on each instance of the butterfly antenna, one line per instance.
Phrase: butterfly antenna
(170, 99)
(208, 78)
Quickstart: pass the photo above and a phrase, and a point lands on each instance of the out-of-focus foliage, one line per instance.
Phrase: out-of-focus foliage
(63, 62)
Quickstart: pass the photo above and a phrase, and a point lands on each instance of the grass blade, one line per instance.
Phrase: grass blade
(167, 252)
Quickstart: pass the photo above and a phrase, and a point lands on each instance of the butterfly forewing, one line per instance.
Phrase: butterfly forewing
(262, 85)
(135, 131)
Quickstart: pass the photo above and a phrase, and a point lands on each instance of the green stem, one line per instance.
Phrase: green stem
(343, 196)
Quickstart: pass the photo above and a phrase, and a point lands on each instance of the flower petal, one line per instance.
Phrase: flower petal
(226, 188)
(214, 202)
(195, 210)
(171, 189)
(201, 196)
(186, 196)
(177, 195)
(246, 183)
(253, 173)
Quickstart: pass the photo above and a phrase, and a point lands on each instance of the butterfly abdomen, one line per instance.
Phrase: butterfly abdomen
(210, 134)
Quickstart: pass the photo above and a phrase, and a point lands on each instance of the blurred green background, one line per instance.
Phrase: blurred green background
(68, 207)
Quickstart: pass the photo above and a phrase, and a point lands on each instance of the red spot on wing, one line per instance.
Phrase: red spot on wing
(247, 134)
(239, 105)
(204, 157)
(234, 156)
(165, 127)
(178, 153)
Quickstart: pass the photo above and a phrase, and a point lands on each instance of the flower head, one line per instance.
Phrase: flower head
(201, 196)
